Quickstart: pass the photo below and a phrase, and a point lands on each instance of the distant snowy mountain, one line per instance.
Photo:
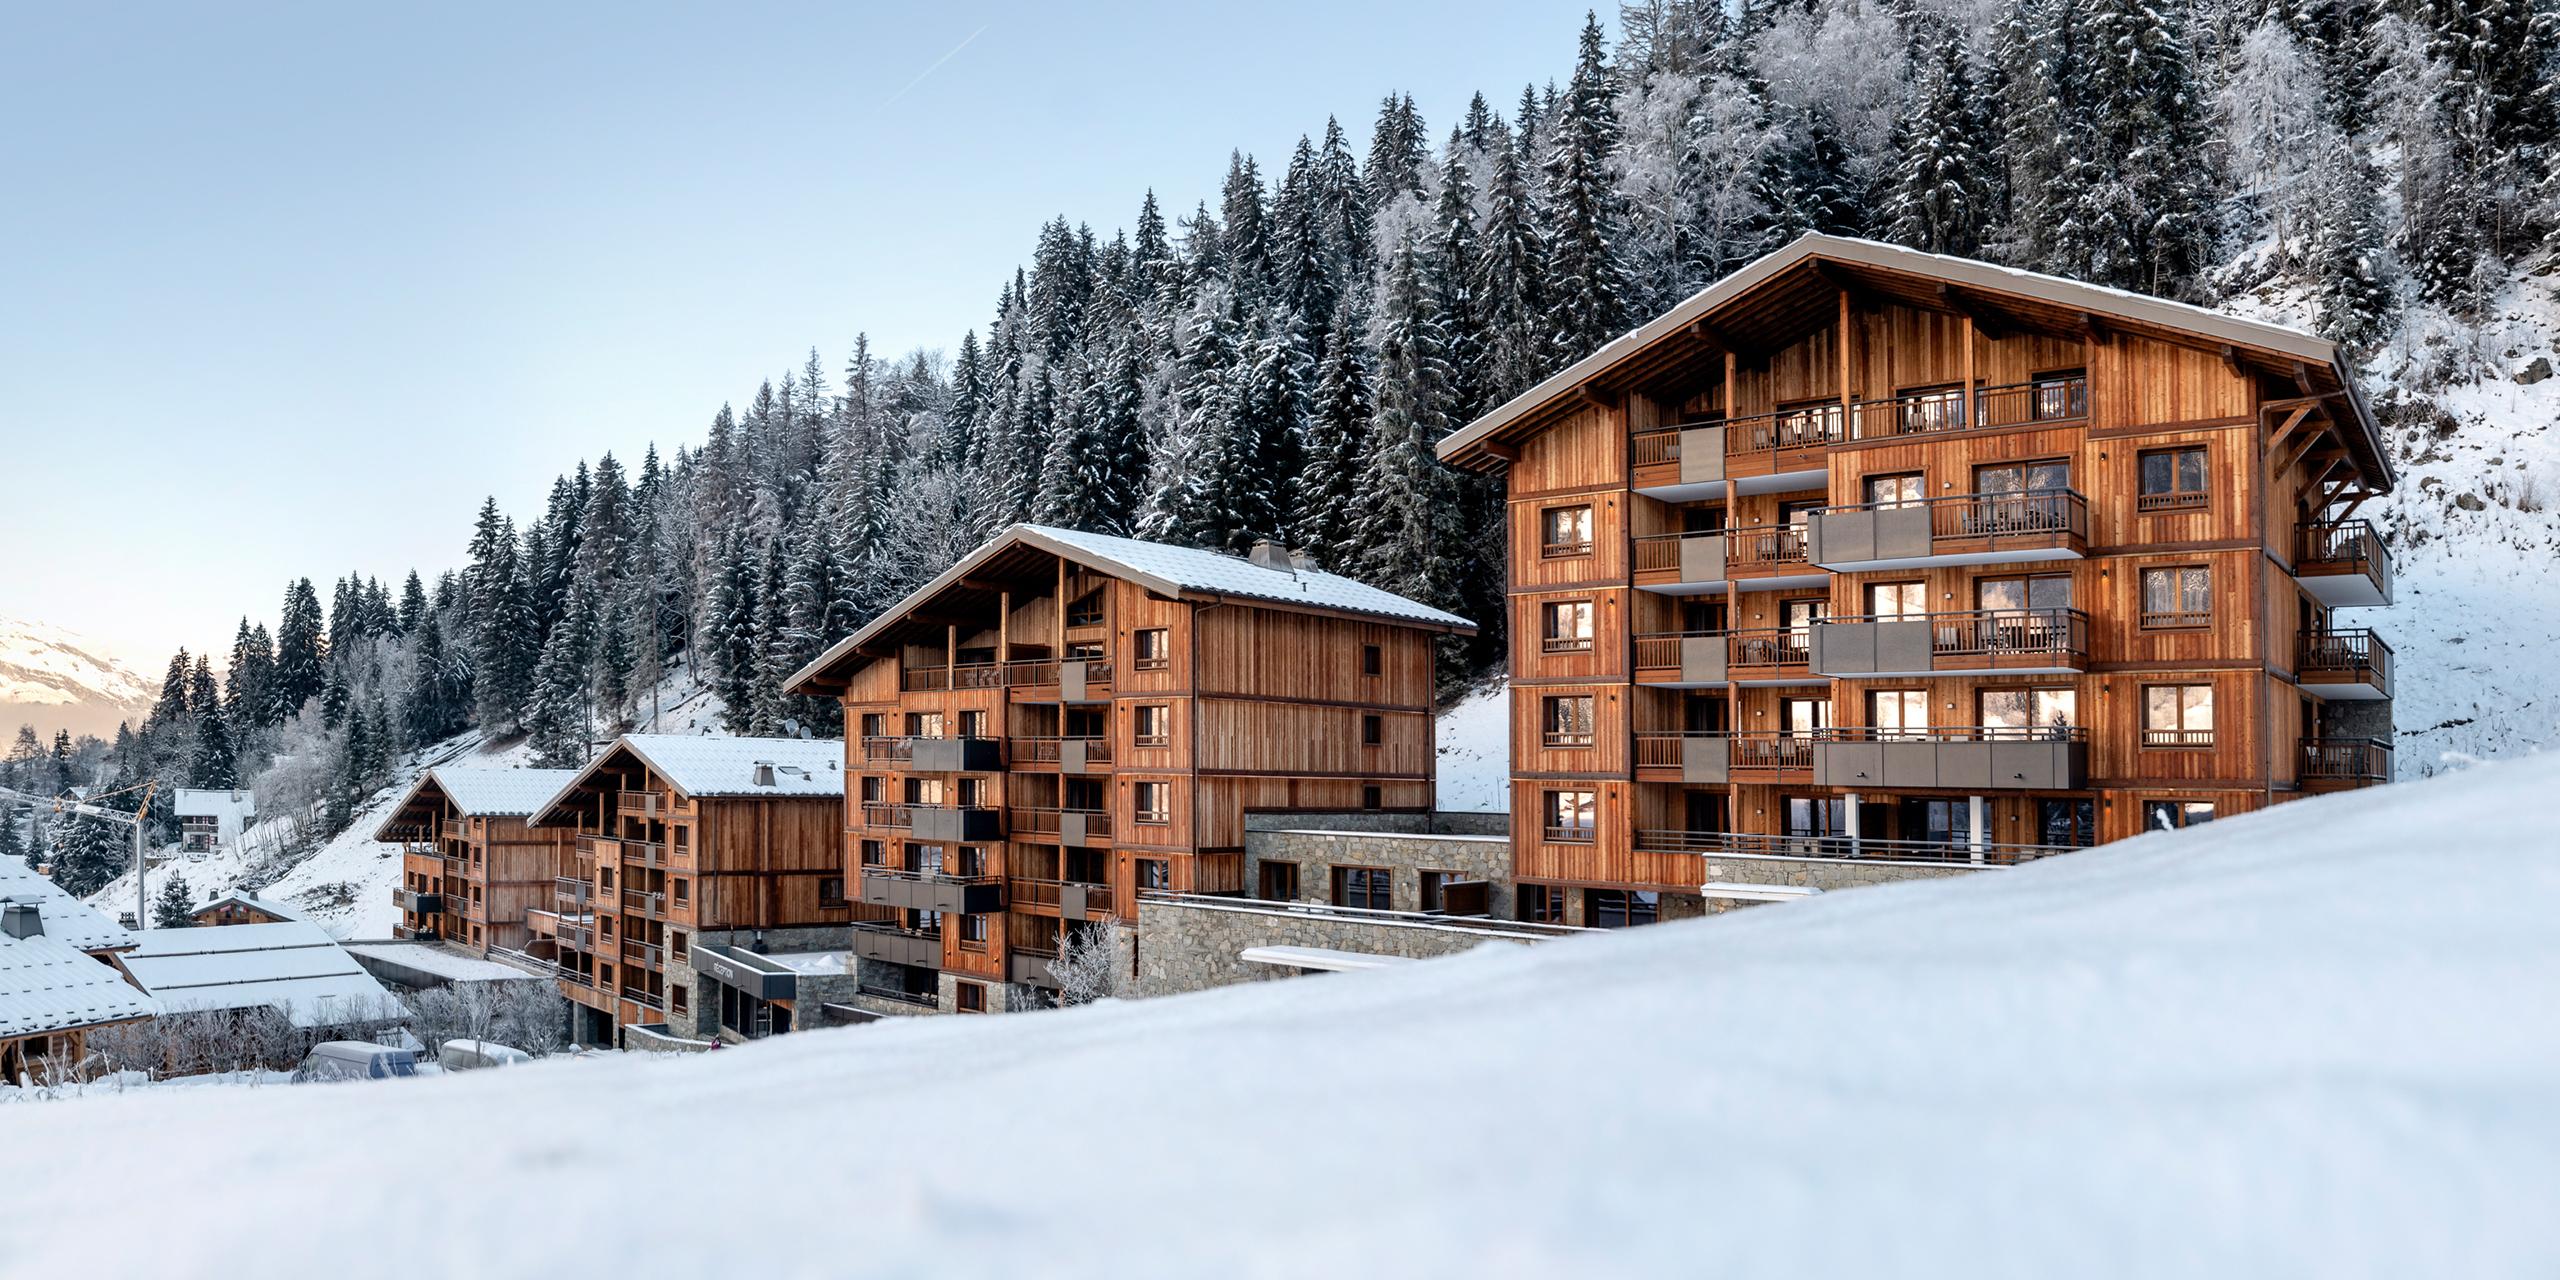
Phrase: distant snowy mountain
(55, 679)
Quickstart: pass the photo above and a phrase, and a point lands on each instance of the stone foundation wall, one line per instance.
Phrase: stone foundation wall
(1826, 874)
(1317, 851)
(1185, 946)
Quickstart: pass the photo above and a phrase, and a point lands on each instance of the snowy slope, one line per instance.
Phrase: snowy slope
(1475, 751)
(55, 679)
(2312, 1041)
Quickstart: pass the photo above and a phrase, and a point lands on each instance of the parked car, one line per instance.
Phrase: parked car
(472, 1055)
(333, 1060)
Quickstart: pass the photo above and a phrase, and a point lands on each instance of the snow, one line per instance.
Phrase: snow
(294, 966)
(65, 680)
(1475, 752)
(47, 984)
(704, 765)
(65, 918)
(1193, 569)
(813, 962)
(452, 966)
(2235, 1050)
(490, 793)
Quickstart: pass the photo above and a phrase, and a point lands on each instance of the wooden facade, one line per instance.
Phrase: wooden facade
(471, 873)
(1045, 734)
(1872, 553)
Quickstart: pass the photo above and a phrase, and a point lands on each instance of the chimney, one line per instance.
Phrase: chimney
(764, 773)
(1271, 555)
(21, 920)
(1302, 561)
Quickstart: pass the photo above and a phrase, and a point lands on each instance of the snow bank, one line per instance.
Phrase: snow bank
(2314, 1041)
(1475, 752)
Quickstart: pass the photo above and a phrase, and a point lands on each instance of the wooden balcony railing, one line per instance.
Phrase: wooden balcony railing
(2022, 403)
(1996, 637)
(1658, 445)
(638, 902)
(2175, 500)
(1037, 892)
(571, 890)
(638, 804)
(2178, 739)
(1744, 752)
(1757, 547)
(1042, 820)
(1751, 647)
(641, 997)
(1097, 750)
(1989, 521)
(888, 750)
(644, 954)
(2345, 546)
(1955, 733)
(892, 816)
(2175, 619)
(2351, 761)
(2354, 655)
(1744, 845)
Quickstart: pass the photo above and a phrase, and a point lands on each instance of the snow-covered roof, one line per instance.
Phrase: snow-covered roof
(276, 909)
(1173, 571)
(294, 966)
(192, 803)
(705, 766)
(47, 984)
(65, 917)
(2282, 342)
(452, 966)
(480, 793)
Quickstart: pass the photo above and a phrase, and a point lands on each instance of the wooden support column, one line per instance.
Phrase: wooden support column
(1972, 406)
(1848, 409)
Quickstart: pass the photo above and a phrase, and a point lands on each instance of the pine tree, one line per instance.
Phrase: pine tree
(1397, 153)
(770, 663)
(1941, 197)
(1337, 451)
(215, 765)
(729, 633)
(175, 907)
(1586, 305)
(12, 845)
(301, 652)
(1410, 513)
(1510, 287)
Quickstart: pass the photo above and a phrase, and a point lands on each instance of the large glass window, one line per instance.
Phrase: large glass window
(1898, 713)
(2178, 597)
(1895, 491)
(1568, 721)
(1572, 815)
(1803, 717)
(1565, 531)
(1152, 649)
(1620, 908)
(2045, 591)
(2174, 480)
(1897, 599)
(2012, 712)
(2169, 815)
(2022, 477)
(1567, 626)
(2068, 821)
(2177, 715)
(1370, 887)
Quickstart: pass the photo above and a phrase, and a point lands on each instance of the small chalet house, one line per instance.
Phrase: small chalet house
(61, 975)
(472, 869)
(210, 820)
(685, 842)
(1064, 720)
(1869, 553)
(240, 908)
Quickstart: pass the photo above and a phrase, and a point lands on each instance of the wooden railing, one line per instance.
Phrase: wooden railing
(2181, 739)
(640, 902)
(2038, 515)
(2168, 619)
(2022, 403)
(2350, 543)
(1097, 750)
(889, 750)
(1744, 752)
(642, 953)
(1759, 546)
(1994, 634)
(2175, 500)
(1751, 647)
(571, 890)
(1858, 848)
(1041, 820)
(642, 998)
(1657, 445)
(893, 816)
(2355, 760)
(1037, 892)
(638, 804)
(2352, 653)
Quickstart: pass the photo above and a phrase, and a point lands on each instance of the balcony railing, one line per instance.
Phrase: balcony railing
(571, 890)
(1758, 547)
(642, 998)
(1095, 750)
(896, 817)
(1744, 752)
(920, 999)
(2355, 656)
(2178, 739)
(2345, 761)
(637, 902)
(1743, 845)
(1779, 648)
(1027, 820)
(896, 750)
(1967, 640)
(2343, 562)
(644, 954)
(639, 804)
(1955, 733)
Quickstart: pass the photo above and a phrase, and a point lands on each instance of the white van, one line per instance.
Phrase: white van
(354, 1060)
(472, 1055)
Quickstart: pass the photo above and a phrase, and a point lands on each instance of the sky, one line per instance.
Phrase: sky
(287, 290)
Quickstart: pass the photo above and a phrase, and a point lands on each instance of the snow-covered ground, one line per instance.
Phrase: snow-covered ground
(1475, 751)
(2317, 1040)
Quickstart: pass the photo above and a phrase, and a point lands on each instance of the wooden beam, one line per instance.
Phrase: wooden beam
(2095, 329)
(2310, 442)
(2231, 359)
(1506, 452)
(2275, 443)
(2302, 377)
(1847, 284)
(1596, 397)
(2362, 496)
(1986, 321)
(1706, 331)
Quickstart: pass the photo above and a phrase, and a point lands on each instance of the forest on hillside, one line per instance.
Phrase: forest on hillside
(1280, 363)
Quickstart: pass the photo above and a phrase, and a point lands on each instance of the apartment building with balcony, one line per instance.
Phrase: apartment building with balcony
(1064, 720)
(471, 871)
(1866, 552)
(683, 849)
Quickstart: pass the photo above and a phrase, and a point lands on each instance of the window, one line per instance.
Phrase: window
(2177, 715)
(1895, 491)
(1572, 815)
(1154, 873)
(1279, 881)
(969, 997)
(1541, 903)
(2169, 815)
(831, 891)
(1925, 409)
(2067, 822)
(2043, 593)
(1373, 730)
(973, 933)
(875, 853)
(679, 946)
(1086, 611)
(1154, 801)
(969, 863)
(2179, 597)
(2021, 713)
(973, 724)
(1373, 796)
(1804, 717)
(1567, 720)
(924, 724)
(2022, 477)
(1567, 626)
(2063, 393)
(1153, 726)
(1565, 531)
(873, 791)
(874, 724)
(2174, 480)
(1898, 713)
(1370, 887)
(1619, 908)
(678, 998)
(1373, 660)
(1898, 599)
(1154, 650)
(1435, 889)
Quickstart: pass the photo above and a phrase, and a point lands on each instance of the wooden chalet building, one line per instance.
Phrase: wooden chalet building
(62, 976)
(1063, 720)
(472, 869)
(1863, 551)
(683, 842)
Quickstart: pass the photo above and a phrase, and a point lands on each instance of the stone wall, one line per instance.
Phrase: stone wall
(1317, 851)
(1826, 874)
(1192, 945)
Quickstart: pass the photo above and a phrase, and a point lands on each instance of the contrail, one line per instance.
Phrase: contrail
(937, 64)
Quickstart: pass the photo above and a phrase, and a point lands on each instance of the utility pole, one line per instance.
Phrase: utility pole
(138, 820)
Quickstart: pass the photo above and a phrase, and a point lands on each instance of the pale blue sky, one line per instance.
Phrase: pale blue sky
(286, 290)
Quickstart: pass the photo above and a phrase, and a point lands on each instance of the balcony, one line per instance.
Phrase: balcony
(417, 902)
(1760, 558)
(1683, 463)
(1734, 844)
(955, 824)
(1716, 758)
(638, 903)
(930, 891)
(1072, 899)
(1980, 642)
(1066, 826)
(893, 817)
(1076, 679)
(936, 755)
(1971, 528)
(889, 944)
(644, 805)
(1068, 755)
(641, 997)
(1768, 452)
(2343, 563)
(1703, 659)
(571, 891)
(2338, 764)
(1971, 758)
(643, 954)
(1029, 967)
(1787, 449)
(2345, 666)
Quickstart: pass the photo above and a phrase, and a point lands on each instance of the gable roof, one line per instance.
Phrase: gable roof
(1961, 282)
(278, 910)
(65, 917)
(702, 767)
(294, 966)
(477, 793)
(1175, 572)
(192, 802)
(48, 985)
